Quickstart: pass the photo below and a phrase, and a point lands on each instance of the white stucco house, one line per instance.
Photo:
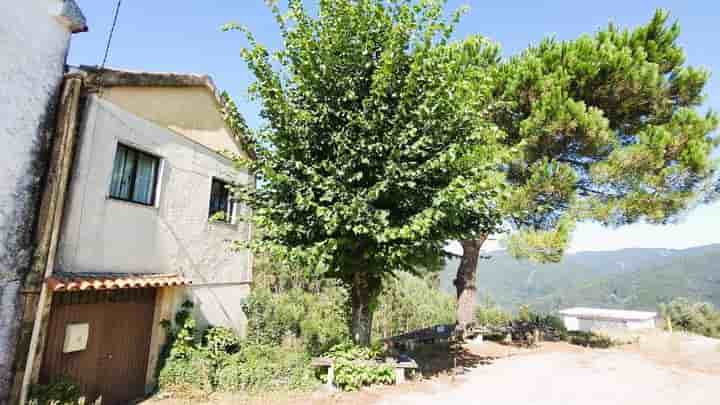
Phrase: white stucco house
(594, 319)
(34, 40)
(139, 217)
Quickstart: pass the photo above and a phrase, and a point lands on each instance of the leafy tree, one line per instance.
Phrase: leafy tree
(696, 317)
(370, 110)
(408, 303)
(600, 128)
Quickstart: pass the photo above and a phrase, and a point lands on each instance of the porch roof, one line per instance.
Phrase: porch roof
(65, 281)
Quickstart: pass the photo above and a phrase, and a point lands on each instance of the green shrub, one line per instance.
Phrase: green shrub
(354, 368)
(319, 320)
(62, 390)
(491, 316)
(408, 302)
(193, 372)
(185, 366)
(695, 317)
(592, 339)
(219, 342)
(220, 360)
(262, 367)
(324, 324)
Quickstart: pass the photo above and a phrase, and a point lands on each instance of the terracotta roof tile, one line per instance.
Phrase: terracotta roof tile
(111, 281)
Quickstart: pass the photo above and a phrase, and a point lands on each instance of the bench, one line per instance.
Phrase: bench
(400, 367)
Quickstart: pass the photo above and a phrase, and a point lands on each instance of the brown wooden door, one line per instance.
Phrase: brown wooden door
(114, 363)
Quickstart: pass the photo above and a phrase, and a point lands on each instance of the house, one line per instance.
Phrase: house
(144, 219)
(34, 39)
(592, 319)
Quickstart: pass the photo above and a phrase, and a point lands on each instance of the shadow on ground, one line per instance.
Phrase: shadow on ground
(438, 359)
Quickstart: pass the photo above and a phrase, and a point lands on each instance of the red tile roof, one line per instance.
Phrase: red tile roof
(111, 281)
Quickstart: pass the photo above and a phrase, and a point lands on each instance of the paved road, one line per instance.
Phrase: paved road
(591, 377)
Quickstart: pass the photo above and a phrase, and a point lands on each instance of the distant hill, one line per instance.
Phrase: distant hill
(628, 278)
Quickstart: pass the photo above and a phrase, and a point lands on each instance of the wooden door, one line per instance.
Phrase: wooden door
(114, 362)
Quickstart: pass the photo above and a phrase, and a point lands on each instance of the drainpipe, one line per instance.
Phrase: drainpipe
(37, 309)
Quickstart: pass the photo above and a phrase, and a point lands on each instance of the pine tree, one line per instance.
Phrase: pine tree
(601, 128)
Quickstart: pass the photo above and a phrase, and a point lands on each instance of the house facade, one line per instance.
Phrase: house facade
(148, 221)
(34, 39)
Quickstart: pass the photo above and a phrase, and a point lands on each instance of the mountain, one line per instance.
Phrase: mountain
(624, 279)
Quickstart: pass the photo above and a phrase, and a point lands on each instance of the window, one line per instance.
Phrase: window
(134, 176)
(222, 205)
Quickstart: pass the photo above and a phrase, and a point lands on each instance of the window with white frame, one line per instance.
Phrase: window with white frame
(222, 204)
(134, 176)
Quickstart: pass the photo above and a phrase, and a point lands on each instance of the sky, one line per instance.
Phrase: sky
(184, 36)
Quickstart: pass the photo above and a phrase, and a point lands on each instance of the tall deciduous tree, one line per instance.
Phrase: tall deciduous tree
(600, 128)
(369, 108)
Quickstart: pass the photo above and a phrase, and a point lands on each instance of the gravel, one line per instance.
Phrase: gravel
(583, 377)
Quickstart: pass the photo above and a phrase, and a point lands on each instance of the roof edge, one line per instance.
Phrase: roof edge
(95, 76)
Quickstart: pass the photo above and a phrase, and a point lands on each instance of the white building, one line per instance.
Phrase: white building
(145, 220)
(593, 319)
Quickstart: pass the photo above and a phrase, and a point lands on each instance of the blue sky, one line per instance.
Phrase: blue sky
(184, 36)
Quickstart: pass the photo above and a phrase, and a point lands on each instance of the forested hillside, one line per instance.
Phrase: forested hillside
(629, 278)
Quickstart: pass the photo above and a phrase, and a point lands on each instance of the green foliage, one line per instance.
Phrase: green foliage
(409, 302)
(355, 367)
(319, 320)
(592, 339)
(182, 335)
(62, 391)
(191, 374)
(370, 109)
(259, 367)
(696, 317)
(539, 320)
(184, 365)
(222, 361)
(490, 315)
(384, 138)
(220, 341)
(603, 127)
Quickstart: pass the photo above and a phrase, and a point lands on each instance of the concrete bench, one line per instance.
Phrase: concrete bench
(400, 367)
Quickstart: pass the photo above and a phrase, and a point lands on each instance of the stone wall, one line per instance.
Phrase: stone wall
(34, 39)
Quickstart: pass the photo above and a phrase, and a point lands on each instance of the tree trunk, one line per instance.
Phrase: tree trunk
(465, 280)
(364, 289)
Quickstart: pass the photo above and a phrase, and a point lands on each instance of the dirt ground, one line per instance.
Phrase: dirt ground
(660, 368)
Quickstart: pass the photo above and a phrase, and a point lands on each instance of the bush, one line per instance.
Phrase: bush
(325, 322)
(318, 320)
(409, 302)
(354, 368)
(184, 365)
(220, 360)
(63, 390)
(592, 339)
(192, 373)
(219, 342)
(262, 367)
(695, 317)
(492, 316)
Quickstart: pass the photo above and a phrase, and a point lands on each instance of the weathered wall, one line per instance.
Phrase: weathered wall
(33, 43)
(100, 234)
(191, 111)
(587, 325)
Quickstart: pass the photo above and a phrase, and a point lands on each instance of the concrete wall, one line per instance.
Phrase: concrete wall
(100, 234)
(582, 324)
(191, 111)
(34, 36)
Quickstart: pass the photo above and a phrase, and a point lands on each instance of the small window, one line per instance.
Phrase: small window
(134, 176)
(222, 205)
